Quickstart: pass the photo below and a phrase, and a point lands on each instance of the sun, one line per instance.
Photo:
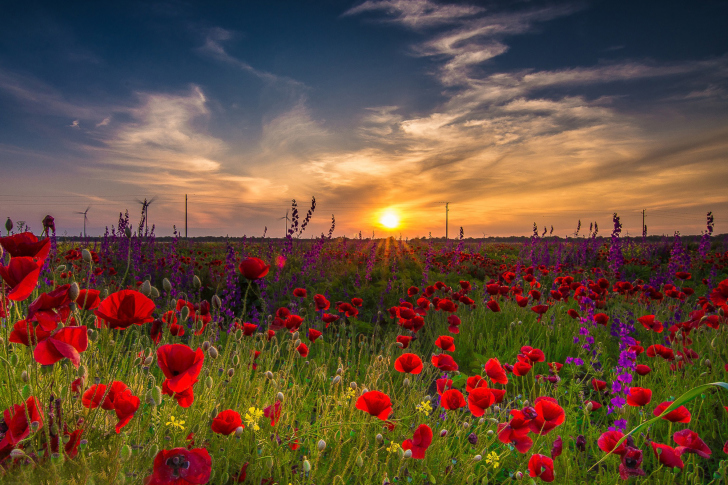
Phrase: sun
(389, 220)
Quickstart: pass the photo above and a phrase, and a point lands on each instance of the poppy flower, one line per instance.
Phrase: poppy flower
(495, 372)
(313, 334)
(453, 322)
(347, 309)
(357, 301)
(719, 295)
(540, 309)
(521, 301)
(689, 442)
(642, 369)
(126, 405)
(68, 342)
(598, 385)
(573, 313)
(412, 291)
(26, 244)
(327, 319)
(249, 329)
(515, 432)
(293, 323)
(180, 365)
(420, 441)
(88, 299)
(548, 415)
(480, 399)
(649, 322)
(16, 422)
(300, 292)
(180, 466)
(494, 306)
(124, 308)
(631, 463)
(446, 343)
(273, 412)
(679, 415)
(725, 448)
(447, 305)
(541, 466)
(321, 302)
(43, 308)
(226, 422)
(408, 363)
(452, 399)
(302, 349)
(521, 368)
(253, 268)
(444, 362)
(21, 275)
(375, 403)
(667, 455)
(609, 439)
(557, 447)
(639, 396)
(176, 330)
(474, 382)
(24, 331)
(534, 355)
(404, 340)
(184, 398)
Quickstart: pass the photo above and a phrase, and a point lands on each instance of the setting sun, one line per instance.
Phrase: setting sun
(389, 220)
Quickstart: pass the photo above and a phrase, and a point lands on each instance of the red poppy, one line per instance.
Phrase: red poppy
(321, 302)
(404, 340)
(68, 342)
(226, 422)
(719, 295)
(598, 385)
(313, 334)
(679, 415)
(540, 309)
(480, 399)
(725, 448)
(125, 406)
(88, 299)
(412, 291)
(608, 440)
(176, 330)
(548, 415)
(442, 384)
(253, 268)
(375, 403)
(521, 368)
(474, 382)
(408, 363)
(123, 309)
(444, 362)
(521, 301)
(302, 349)
(347, 309)
(453, 322)
(534, 355)
(447, 305)
(184, 398)
(557, 447)
(249, 329)
(494, 306)
(24, 331)
(16, 422)
(452, 399)
(327, 319)
(639, 396)
(689, 442)
(541, 466)
(21, 275)
(273, 412)
(573, 313)
(631, 463)
(43, 309)
(667, 455)
(420, 442)
(495, 372)
(300, 292)
(180, 466)
(515, 432)
(357, 301)
(649, 322)
(293, 323)
(446, 343)
(26, 244)
(601, 319)
(180, 365)
(642, 369)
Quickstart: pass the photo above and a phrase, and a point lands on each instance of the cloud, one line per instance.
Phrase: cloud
(416, 13)
(75, 124)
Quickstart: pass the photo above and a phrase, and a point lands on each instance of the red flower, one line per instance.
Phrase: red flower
(412, 291)
(21, 275)
(601, 318)
(444, 362)
(125, 406)
(313, 334)
(184, 398)
(409, 363)
(719, 296)
(43, 309)
(667, 455)
(631, 462)
(679, 415)
(447, 305)
(689, 442)
(123, 309)
(226, 422)
(24, 331)
(404, 340)
(26, 244)
(348, 309)
(253, 268)
(446, 343)
(557, 447)
(180, 466)
(494, 306)
(302, 349)
(639, 396)
(595, 405)
(273, 412)
(540, 310)
(375, 403)
(180, 365)
(452, 399)
(548, 415)
(598, 385)
(609, 439)
(725, 448)
(249, 329)
(327, 319)
(573, 313)
(495, 372)
(649, 322)
(516, 431)
(642, 369)
(300, 292)
(453, 322)
(443, 384)
(474, 382)
(541, 466)
(534, 355)
(480, 399)
(293, 323)
(521, 368)
(88, 299)
(321, 302)
(357, 301)
(16, 421)
(68, 342)
(419, 442)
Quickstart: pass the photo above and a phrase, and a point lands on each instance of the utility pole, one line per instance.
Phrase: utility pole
(185, 216)
(446, 215)
(644, 232)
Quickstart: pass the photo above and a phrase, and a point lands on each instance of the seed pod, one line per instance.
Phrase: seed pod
(196, 282)
(212, 352)
(155, 292)
(321, 445)
(205, 345)
(73, 291)
(408, 454)
(86, 256)
(208, 382)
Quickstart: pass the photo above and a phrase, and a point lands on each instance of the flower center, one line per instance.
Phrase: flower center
(177, 463)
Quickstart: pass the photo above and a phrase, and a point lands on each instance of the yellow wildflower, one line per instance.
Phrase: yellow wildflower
(175, 423)
(252, 417)
(425, 408)
(492, 459)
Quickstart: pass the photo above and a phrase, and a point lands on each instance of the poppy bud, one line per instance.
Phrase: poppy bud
(16, 453)
(321, 445)
(519, 476)
(400, 345)
(92, 334)
(268, 374)
(24, 376)
(212, 352)
(364, 390)
(443, 433)
(127, 232)
(294, 335)
(336, 380)
(205, 345)
(489, 433)
(477, 458)
(589, 406)
(428, 398)
(707, 363)
(184, 313)
(208, 383)
(379, 437)
(125, 453)
(280, 397)
(359, 461)
(166, 285)
(216, 302)
(34, 426)
(148, 360)
(73, 291)
(306, 465)
(231, 372)
(146, 288)
(153, 450)
(196, 282)
(156, 394)
(473, 439)
(60, 268)
(466, 425)
(408, 454)
(238, 431)
(352, 384)
(155, 292)
(406, 382)
(86, 256)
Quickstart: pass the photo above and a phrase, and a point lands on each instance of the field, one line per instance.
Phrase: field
(325, 361)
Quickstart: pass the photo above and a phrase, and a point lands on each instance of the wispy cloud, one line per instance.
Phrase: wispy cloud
(416, 13)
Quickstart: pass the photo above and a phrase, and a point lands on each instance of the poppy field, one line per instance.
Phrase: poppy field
(590, 359)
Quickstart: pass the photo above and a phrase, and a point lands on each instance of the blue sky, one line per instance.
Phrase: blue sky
(515, 112)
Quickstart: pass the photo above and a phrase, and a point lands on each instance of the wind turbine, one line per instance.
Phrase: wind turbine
(286, 218)
(85, 218)
(145, 210)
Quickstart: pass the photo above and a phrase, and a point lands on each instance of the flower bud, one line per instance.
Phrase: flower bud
(306, 466)
(208, 382)
(400, 345)
(519, 476)
(205, 345)
(379, 437)
(166, 285)
(280, 396)
(489, 433)
(408, 454)
(337, 379)
(238, 431)
(34, 426)
(184, 314)
(268, 374)
(125, 453)
(589, 406)
(153, 450)
(231, 372)
(74, 291)
(17, 453)
(24, 376)
(477, 458)
(86, 256)
(196, 282)
(321, 445)
(155, 292)
(92, 334)
(443, 433)
(60, 268)
(406, 382)
(481, 421)
(707, 363)
(212, 352)
(359, 461)
(146, 288)
(127, 232)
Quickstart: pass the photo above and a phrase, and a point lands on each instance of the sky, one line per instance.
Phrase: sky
(514, 112)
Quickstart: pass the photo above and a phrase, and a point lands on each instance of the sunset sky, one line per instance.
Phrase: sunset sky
(515, 112)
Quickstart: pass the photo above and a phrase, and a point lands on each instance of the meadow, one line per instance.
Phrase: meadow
(588, 359)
